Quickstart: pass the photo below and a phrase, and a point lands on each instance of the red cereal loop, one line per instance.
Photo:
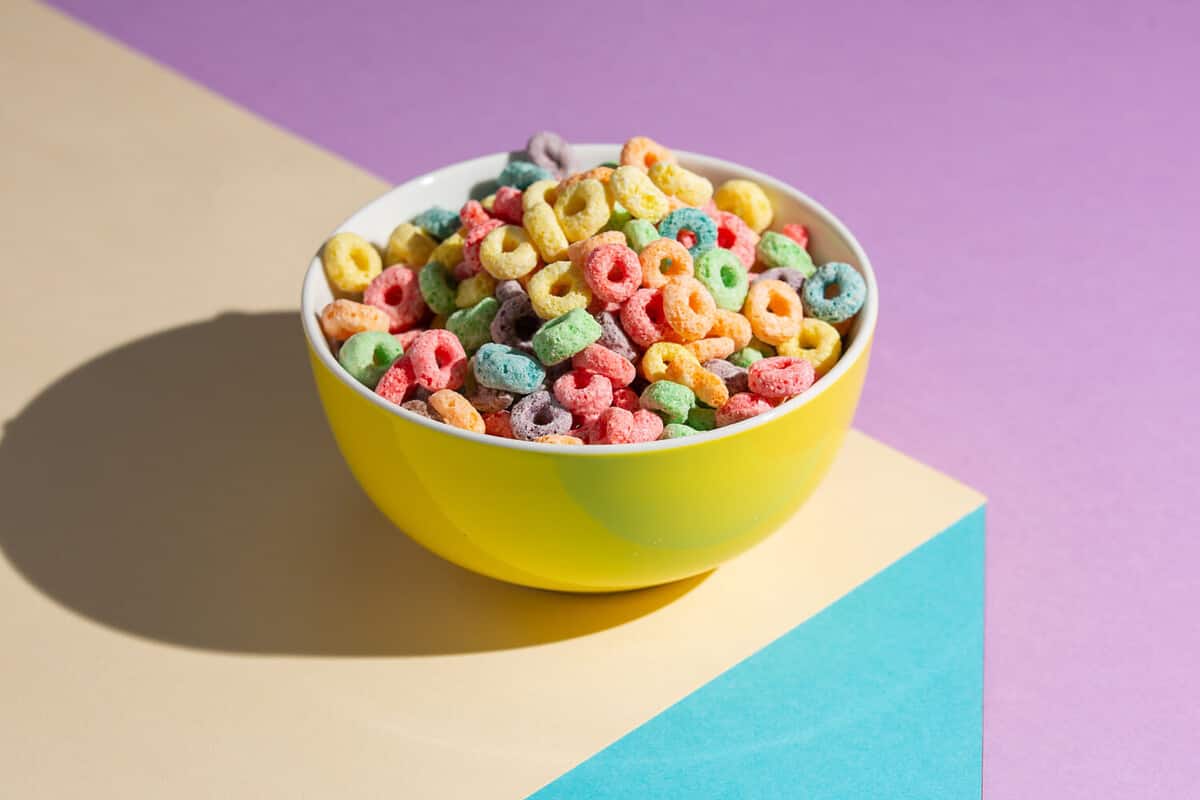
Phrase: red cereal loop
(615, 426)
(797, 233)
(498, 424)
(471, 265)
(647, 426)
(438, 360)
(397, 382)
(395, 292)
(508, 205)
(584, 393)
(741, 406)
(406, 338)
(735, 235)
(780, 376)
(473, 213)
(643, 318)
(614, 272)
(625, 398)
(599, 359)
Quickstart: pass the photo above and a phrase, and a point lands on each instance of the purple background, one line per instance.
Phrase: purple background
(1025, 180)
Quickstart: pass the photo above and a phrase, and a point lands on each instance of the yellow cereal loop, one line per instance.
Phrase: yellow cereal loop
(558, 288)
(539, 192)
(409, 245)
(818, 343)
(634, 190)
(660, 355)
(351, 262)
(747, 200)
(507, 253)
(674, 180)
(450, 252)
(707, 386)
(474, 289)
(582, 209)
(542, 226)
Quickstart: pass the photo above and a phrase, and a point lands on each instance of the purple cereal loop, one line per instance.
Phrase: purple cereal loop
(420, 393)
(613, 337)
(552, 153)
(515, 323)
(488, 400)
(536, 415)
(422, 408)
(507, 289)
(736, 378)
(789, 275)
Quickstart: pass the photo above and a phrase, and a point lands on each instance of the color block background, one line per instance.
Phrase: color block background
(1041, 156)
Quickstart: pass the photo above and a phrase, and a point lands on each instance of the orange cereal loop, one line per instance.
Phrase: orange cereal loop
(706, 385)
(558, 438)
(408, 245)
(708, 349)
(601, 174)
(660, 355)
(644, 152)
(351, 263)
(582, 209)
(662, 260)
(578, 252)
(456, 410)
(774, 310)
(689, 308)
(341, 319)
(732, 325)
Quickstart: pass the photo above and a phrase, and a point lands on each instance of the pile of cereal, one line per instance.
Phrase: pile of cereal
(627, 303)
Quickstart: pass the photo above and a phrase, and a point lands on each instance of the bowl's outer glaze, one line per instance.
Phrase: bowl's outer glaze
(589, 519)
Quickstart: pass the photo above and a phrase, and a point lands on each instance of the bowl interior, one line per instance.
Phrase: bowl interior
(829, 240)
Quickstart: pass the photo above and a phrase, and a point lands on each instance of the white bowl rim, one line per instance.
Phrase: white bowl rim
(864, 331)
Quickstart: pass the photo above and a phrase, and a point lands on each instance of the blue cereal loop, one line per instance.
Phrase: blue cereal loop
(851, 292)
(498, 366)
(440, 223)
(694, 220)
(521, 174)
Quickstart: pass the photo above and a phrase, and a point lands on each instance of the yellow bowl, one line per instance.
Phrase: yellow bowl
(589, 519)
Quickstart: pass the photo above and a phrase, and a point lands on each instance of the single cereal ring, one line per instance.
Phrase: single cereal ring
(582, 209)
(558, 438)
(792, 277)
(640, 233)
(625, 398)
(615, 426)
(689, 308)
(647, 426)
(438, 360)
(713, 347)
(736, 378)
(817, 343)
(732, 325)
(613, 336)
(538, 415)
(643, 318)
(676, 431)
(397, 382)
(472, 213)
(599, 359)
(472, 325)
(539, 193)
(436, 283)
(498, 424)
(521, 174)
(409, 245)
(736, 236)
(797, 233)
(507, 289)
(351, 262)
(508, 205)
(702, 419)
(691, 221)
(602, 173)
(368, 355)
(709, 387)
(637, 193)
(507, 253)
(662, 260)
(687, 186)
(741, 407)
(472, 244)
(395, 292)
(341, 319)
(835, 292)
(515, 323)
(780, 377)
(776, 250)
(449, 252)
(456, 410)
(558, 288)
(774, 311)
(551, 152)
(644, 152)
(723, 275)
(474, 289)
(439, 223)
(613, 272)
(584, 393)
(564, 336)
(660, 355)
(507, 369)
(672, 401)
(745, 357)
(544, 231)
(747, 200)
(488, 400)
(421, 409)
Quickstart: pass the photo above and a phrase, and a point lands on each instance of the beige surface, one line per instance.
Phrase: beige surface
(195, 600)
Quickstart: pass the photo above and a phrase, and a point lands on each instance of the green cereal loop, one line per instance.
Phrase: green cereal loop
(473, 326)
(440, 223)
(724, 275)
(618, 219)
(437, 287)
(671, 401)
(367, 355)
(702, 419)
(745, 357)
(522, 174)
(564, 336)
(776, 250)
(639, 233)
(676, 431)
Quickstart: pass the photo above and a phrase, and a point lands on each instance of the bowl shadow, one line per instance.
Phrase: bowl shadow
(185, 488)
